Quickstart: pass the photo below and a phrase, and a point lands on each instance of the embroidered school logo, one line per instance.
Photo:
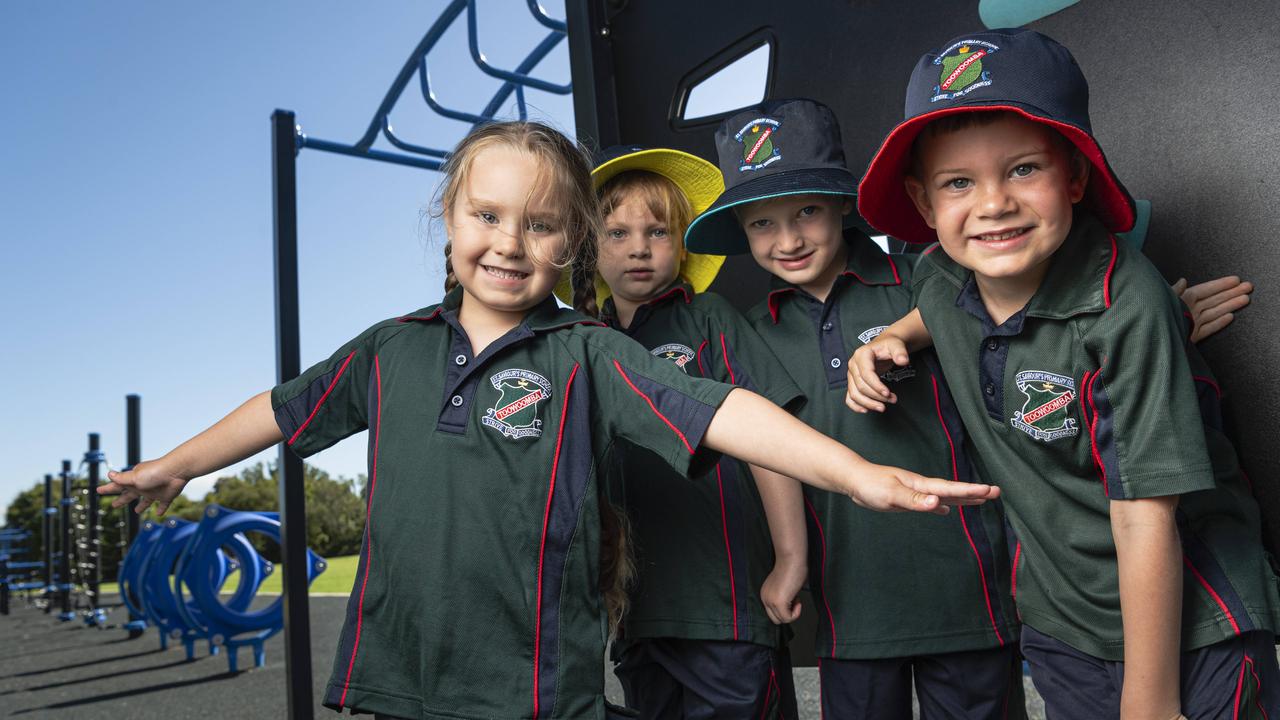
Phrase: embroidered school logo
(894, 374)
(679, 354)
(758, 148)
(515, 414)
(961, 73)
(1046, 414)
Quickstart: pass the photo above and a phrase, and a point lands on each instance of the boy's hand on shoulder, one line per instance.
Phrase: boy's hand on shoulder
(884, 488)
(781, 588)
(1213, 304)
(147, 482)
(866, 390)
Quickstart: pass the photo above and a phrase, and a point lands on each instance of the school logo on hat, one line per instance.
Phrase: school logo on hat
(515, 414)
(893, 374)
(1046, 414)
(758, 148)
(679, 354)
(961, 69)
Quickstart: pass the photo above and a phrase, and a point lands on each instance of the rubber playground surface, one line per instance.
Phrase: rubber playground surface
(52, 669)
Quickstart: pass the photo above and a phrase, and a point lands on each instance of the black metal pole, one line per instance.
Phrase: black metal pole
(595, 105)
(94, 548)
(68, 543)
(133, 456)
(293, 513)
(46, 534)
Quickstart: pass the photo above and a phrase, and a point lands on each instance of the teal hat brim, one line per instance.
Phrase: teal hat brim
(717, 230)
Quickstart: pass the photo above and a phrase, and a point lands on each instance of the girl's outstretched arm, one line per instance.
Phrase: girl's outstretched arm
(249, 429)
(783, 503)
(753, 429)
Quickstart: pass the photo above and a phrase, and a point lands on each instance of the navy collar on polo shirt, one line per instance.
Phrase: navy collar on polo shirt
(677, 289)
(864, 262)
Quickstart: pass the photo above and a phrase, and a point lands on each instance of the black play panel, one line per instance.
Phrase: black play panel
(1184, 103)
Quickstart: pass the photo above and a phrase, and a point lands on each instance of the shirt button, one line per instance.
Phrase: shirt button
(993, 345)
(826, 327)
(456, 400)
(835, 362)
(460, 360)
(989, 389)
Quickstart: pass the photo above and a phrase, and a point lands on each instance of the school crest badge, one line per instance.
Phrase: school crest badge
(1046, 413)
(894, 374)
(515, 414)
(758, 146)
(679, 354)
(960, 69)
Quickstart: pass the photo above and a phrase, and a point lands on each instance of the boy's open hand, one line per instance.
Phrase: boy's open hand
(1213, 304)
(884, 488)
(866, 391)
(781, 588)
(148, 483)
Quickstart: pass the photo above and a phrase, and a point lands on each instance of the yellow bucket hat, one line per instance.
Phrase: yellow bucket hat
(699, 180)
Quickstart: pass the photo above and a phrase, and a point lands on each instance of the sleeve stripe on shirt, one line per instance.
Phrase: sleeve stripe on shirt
(1101, 437)
(323, 397)
(368, 522)
(1106, 283)
(702, 370)
(653, 407)
(1213, 593)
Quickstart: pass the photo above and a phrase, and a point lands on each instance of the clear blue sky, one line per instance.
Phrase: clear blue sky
(135, 203)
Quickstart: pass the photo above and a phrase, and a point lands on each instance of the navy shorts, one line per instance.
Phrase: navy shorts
(975, 685)
(1235, 679)
(678, 679)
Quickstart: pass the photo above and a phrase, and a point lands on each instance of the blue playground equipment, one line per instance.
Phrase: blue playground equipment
(16, 575)
(175, 572)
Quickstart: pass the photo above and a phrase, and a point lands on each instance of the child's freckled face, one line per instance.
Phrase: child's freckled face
(504, 233)
(798, 238)
(1000, 194)
(639, 257)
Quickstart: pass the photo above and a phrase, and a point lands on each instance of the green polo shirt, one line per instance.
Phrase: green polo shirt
(703, 548)
(477, 592)
(887, 585)
(1093, 393)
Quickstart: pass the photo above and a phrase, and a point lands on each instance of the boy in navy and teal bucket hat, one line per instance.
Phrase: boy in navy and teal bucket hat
(1139, 573)
(898, 599)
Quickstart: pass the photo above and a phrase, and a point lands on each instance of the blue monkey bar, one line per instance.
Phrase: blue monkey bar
(287, 141)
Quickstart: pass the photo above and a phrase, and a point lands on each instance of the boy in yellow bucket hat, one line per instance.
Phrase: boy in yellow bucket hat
(696, 640)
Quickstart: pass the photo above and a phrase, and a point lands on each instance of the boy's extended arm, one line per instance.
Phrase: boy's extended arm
(784, 509)
(893, 346)
(753, 429)
(1149, 560)
(249, 429)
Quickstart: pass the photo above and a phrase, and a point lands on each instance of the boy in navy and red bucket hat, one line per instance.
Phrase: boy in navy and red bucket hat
(1139, 573)
(900, 600)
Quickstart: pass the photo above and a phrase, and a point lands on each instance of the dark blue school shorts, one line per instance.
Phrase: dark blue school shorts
(1235, 679)
(974, 685)
(678, 679)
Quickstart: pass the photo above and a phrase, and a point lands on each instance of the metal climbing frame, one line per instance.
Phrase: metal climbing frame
(288, 141)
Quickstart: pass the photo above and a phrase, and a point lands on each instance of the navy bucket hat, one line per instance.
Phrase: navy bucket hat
(777, 148)
(1015, 70)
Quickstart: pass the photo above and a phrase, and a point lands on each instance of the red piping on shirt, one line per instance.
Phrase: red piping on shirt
(1106, 283)
(1216, 598)
(702, 370)
(822, 536)
(955, 475)
(1093, 435)
(724, 524)
(725, 349)
(1086, 388)
(1013, 579)
(1208, 381)
(542, 547)
(772, 302)
(323, 397)
(654, 408)
(368, 525)
(434, 314)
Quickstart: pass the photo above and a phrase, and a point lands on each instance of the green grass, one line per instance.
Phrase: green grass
(337, 578)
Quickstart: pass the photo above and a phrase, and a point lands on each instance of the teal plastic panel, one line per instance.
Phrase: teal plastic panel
(1016, 13)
